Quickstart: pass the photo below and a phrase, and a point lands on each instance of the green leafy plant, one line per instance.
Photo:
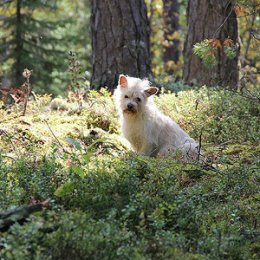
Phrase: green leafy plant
(230, 51)
(206, 52)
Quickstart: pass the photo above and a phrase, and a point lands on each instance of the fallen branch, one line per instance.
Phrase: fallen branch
(19, 215)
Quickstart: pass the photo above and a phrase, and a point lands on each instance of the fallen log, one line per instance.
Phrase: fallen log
(20, 214)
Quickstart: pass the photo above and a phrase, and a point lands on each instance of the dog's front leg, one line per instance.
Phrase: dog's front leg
(169, 151)
(149, 150)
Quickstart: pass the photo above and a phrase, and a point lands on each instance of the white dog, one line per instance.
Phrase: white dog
(149, 131)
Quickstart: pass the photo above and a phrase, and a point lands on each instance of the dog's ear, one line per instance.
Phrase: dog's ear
(151, 91)
(122, 82)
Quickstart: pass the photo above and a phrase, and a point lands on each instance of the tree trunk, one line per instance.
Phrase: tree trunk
(19, 45)
(120, 41)
(209, 19)
(171, 41)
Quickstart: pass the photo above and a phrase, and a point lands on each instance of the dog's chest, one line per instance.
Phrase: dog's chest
(134, 133)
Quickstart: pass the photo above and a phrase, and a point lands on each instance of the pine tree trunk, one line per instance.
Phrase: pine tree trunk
(120, 41)
(171, 25)
(19, 45)
(209, 19)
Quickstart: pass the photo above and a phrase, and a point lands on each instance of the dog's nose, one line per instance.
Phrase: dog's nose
(130, 106)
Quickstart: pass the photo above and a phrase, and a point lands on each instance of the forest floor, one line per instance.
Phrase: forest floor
(70, 187)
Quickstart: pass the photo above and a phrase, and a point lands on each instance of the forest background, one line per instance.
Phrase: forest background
(42, 36)
(70, 186)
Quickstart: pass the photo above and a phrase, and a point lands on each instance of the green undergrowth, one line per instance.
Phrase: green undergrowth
(105, 202)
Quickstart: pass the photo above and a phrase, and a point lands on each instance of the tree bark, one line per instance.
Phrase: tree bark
(208, 19)
(171, 25)
(19, 45)
(120, 41)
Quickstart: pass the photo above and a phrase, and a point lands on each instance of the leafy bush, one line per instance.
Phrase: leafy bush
(139, 208)
(221, 115)
(207, 50)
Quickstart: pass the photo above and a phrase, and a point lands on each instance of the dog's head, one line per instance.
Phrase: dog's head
(132, 94)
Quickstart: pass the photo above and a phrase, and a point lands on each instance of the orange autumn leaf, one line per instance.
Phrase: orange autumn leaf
(215, 43)
(18, 94)
(239, 10)
(68, 163)
(227, 42)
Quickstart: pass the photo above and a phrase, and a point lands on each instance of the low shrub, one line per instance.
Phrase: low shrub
(105, 202)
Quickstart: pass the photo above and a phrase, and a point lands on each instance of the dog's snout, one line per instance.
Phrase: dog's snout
(130, 106)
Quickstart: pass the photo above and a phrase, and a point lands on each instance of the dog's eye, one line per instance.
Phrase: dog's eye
(138, 99)
(126, 96)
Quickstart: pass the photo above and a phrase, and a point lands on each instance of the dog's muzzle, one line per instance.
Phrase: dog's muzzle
(130, 108)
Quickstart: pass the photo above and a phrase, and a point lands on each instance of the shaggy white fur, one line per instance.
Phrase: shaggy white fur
(149, 131)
